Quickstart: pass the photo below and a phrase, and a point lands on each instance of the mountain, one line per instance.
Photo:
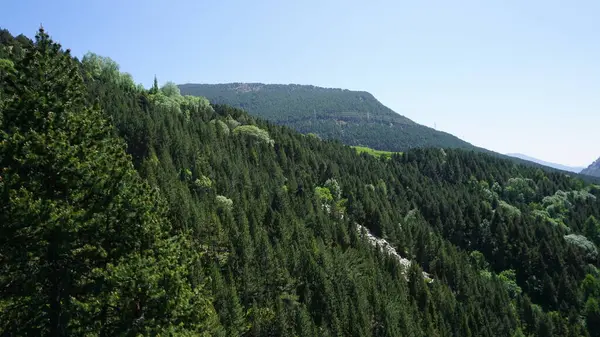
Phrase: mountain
(573, 169)
(593, 169)
(354, 117)
(128, 211)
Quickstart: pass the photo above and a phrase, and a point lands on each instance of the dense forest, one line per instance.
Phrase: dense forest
(353, 117)
(129, 211)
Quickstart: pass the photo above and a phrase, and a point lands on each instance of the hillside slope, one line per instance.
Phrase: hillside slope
(233, 226)
(593, 170)
(573, 169)
(353, 117)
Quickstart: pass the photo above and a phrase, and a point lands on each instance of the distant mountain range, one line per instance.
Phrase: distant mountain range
(575, 169)
(353, 117)
(593, 169)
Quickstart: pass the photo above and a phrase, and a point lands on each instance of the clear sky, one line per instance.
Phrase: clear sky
(508, 75)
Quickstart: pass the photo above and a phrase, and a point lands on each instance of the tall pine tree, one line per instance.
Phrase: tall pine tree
(84, 245)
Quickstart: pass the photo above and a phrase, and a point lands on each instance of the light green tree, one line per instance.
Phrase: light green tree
(171, 89)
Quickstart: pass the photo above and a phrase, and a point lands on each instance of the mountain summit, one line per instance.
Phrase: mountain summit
(353, 117)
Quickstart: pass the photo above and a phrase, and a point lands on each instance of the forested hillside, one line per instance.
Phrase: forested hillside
(133, 211)
(593, 169)
(354, 117)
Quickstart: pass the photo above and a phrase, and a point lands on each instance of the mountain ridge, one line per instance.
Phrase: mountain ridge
(354, 117)
(575, 169)
(592, 170)
(294, 106)
(178, 217)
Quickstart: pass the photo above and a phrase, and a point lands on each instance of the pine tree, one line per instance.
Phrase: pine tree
(154, 89)
(592, 229)
(85, 247)
(592, 316)
(304, 325)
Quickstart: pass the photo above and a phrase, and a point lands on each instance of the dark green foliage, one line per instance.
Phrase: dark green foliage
(85, 247)
(354, 117)
(592, 316)
(268, 229)
(592, 230)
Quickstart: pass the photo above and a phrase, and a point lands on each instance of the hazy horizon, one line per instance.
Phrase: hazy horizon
(509, 76)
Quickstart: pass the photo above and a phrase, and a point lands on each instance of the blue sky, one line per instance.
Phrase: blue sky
(511, 76)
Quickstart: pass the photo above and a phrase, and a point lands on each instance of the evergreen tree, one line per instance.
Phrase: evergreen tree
(592, 316)
(85, 246)
(592, 230)
(88, 248)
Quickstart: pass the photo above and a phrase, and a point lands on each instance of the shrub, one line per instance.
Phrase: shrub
(323, 195)
(203, 183)
(224, 203)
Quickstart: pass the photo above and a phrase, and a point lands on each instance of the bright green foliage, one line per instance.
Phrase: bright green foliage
(203, 183)
(511, 211)
(253, 132)
(478, 260)
(194, 105)
(542, 215)
(85, 247)
(509, 278)
(171, 90)
(334, 188)
(185, 175)
(557, 205)
(103, 67)
(324, 195)
(169, 98)
(376, 153)
(591, 252)
(221, 126)
(556, 208)
(224, 202)
(581, 196)
(520, 189)
(6, 65)
(518, 333)
(590, 287)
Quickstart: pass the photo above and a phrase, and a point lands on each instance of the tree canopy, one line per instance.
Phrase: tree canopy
(131, 211)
